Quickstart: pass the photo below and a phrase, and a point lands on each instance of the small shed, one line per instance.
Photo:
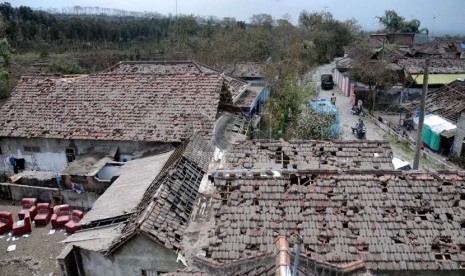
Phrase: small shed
(437, 132)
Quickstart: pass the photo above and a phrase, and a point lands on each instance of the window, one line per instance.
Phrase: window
(70, 155)
(152, 272)
(31, 149)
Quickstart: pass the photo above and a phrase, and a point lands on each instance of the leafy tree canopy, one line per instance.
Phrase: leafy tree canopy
(394, 23)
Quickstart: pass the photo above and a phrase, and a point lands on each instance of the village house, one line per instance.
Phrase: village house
(50, 120)
(447, 103)
(155, 218)
(141, 234)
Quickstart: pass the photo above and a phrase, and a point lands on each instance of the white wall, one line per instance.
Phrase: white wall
(52, 155)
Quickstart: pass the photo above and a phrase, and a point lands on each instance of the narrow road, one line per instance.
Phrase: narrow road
(347, 119)
(344, 106)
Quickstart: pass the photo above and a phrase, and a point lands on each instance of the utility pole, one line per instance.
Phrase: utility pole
(421, 119)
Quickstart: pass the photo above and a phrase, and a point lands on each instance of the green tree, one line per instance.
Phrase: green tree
(376, 74)
(287, 102)
(394, 23)
(313, 125)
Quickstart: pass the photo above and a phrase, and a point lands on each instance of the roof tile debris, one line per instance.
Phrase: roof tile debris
(164, 211)
(310, 154)
(278, 262)
(129, 107)
(391, 221)
(248, 97)
(447, 102)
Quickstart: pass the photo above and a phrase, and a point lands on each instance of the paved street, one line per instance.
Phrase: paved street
(348, 120)
(344, 106)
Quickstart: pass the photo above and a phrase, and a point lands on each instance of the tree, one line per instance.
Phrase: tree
(394, 23)
(327, 35)
(287, 103)
(313, 125)
(376, 74)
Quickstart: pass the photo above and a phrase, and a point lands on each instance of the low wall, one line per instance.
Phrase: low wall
(16, 192)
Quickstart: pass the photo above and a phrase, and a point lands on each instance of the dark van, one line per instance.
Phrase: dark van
(327, 82)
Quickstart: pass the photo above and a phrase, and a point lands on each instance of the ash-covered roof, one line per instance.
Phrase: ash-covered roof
(437, 66)
(310, 154)
(270, 264)
(164, 211)
(234, 85)
(390, 220)
(248, 97)
(447, 102)
(247, 70)
(121, 107)
(125, 194)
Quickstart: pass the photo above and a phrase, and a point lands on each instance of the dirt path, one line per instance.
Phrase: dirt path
(35, 253)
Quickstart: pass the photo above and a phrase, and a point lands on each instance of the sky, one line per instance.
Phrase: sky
(440, 17)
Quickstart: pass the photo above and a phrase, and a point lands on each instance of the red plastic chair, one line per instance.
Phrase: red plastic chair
(22, 227)
(29, 207)
(6, 222)
(43, 214)
(73, 225)
(60, 215)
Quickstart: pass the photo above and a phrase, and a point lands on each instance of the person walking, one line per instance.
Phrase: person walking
(333, 99)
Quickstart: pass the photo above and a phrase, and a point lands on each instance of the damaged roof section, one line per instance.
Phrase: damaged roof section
(436, 66)
(164, 211)
(234, 85)
(278, 263)
(447, 102)
(309, 154)
(390, 220)
(121, 107)
(122, 198)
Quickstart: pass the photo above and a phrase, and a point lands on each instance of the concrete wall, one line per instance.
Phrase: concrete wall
(16, 192)
(52, 155)
(136, 254)
(460, 135)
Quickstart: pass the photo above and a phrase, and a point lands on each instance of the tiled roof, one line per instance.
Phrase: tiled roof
(164, 211)
(159, 67)
(447, 102)
(122, 107)
(392, 221)
(270, 264)
(247, 70)
(234, 86)
(437, 66)
(310, 154)
(440, 47)
(249, 96)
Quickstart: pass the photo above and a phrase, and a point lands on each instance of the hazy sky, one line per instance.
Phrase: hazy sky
(449, 15)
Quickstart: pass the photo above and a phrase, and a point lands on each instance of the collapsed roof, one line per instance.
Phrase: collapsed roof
(309, 154)
(392, 221)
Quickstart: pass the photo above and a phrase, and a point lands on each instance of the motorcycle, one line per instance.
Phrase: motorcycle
(359, 132)
(357, 110)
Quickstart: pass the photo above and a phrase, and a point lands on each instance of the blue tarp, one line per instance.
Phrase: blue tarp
(323, 106)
